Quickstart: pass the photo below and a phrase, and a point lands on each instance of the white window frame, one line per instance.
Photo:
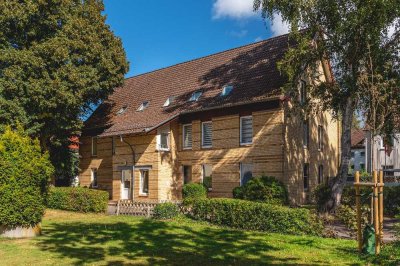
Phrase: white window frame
(163, 130)
(143, 106)
(169, 101)
(193, 98)
(202, 135)
(141, 193)
(183, 137)
(241, 119)
(94, 142)
(92, 174)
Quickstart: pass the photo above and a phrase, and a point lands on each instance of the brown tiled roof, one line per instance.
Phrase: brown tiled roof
(357, 138)
(251, 69)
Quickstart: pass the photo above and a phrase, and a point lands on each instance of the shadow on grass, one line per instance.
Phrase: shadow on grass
(155, 242)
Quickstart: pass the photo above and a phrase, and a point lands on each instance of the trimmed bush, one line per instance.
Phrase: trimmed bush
(391, 200)
(24, 175)
(262, 189)
(77, 199)
(193, 191)
(256, 216)
(166, 211)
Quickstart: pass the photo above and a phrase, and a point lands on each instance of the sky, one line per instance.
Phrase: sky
(161, 33)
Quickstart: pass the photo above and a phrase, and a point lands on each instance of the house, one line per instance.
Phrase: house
(218, 120)
(358, 160)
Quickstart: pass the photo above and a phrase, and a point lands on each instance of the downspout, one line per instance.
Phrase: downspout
(130, 146)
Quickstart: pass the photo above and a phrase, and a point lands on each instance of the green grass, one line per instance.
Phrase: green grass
(75, 239)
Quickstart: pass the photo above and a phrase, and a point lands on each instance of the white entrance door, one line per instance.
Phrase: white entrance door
(126, 184)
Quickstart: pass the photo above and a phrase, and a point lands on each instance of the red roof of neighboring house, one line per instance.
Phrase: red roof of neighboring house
(251, 69)
(357, 138)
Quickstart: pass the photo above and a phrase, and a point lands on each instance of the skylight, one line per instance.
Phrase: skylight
(226, 90)
(195, 96)
(122, 110)
(169, 100)
(143, 106)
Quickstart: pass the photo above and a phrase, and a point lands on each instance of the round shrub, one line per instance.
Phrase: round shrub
(78, 199)
(262, 189)
(24, 175)
(194, 191)
(320, 196)
(166, 211)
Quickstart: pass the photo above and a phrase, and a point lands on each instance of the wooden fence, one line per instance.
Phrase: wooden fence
(138, 208)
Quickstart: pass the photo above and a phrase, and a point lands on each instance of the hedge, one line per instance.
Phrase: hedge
(166, 210)
(77, 199)
(256, 216)
(193, 191)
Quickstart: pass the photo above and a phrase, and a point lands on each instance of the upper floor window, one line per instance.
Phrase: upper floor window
(169, 101)
(163, 138)
(187, 136)
(226, 90)
(246, 130)
(206, 132)
(303, 92)
(306, 176)
(320, 138)
(143, 106)
(306, 133)
(93, 178)
(195, 96)
(94, 146)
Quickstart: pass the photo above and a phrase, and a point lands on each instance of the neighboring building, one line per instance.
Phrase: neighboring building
(358, 160)
(219, 119)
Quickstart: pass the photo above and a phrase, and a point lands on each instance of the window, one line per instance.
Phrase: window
(306, 176)
(303, 92)
(246, 173)
(144, 182)
(226, 90)
(320, 138)
(94, 146)
(320, 174)
(187, 174)
(93, 178)
(388, 167)
(187, 136)
(143, 106)
(362, 153)
(169, 101)
(246, 130)
(206, 134)
(353, 154)
(306, 133)
(112, 145)
(362, 166)
(163, 138)
(207, 176)
(195, 96)
(122, 110)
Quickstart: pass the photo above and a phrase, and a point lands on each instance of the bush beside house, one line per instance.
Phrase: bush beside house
(77, 199)
(193, 191)
(24, 175)
(166, 210)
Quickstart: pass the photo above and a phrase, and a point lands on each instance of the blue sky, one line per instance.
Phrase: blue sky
(161, 33)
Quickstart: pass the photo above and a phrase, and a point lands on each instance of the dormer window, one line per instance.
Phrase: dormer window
(143, 106)
(195, 96)
(169, 100)
(122, 110)
(226, 90)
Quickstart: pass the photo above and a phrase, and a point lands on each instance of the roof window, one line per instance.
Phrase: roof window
(143, 106)
(195, 96)
(122, 110)
(226, 90)
(169, 100)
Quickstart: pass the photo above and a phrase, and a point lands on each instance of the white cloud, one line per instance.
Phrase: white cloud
(237, 9)
(278, 27)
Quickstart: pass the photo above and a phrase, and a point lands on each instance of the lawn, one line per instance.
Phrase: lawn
(73, 238)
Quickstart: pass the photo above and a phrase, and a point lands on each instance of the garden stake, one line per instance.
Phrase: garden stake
(376, 215)
(380, 193)
(358, 206)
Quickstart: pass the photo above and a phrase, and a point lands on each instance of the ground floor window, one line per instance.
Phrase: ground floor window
(246, 173)
(144, 182)
(320, 174)
(93, 178)
(207, 176)
(187, 174)
(306, 176)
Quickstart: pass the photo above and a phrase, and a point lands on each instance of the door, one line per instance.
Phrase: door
(126, 184)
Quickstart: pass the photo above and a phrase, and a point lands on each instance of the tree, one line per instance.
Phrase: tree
(360, 40)
(58, 59)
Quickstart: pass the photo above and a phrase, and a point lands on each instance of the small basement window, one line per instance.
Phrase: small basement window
(169, 100)
(195, 96)
(93, 178)
(143, 106)
(122, 110)
(226, 90)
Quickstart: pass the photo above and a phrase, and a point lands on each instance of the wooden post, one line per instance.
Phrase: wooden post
(376, 214)
(358, 206)
(380, 199)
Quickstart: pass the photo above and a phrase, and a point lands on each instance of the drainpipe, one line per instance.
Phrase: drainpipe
(130, 146)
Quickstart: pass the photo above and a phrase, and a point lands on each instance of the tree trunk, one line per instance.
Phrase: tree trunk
(337, 184)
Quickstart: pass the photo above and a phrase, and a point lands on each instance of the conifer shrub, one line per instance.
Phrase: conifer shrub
(25, 172)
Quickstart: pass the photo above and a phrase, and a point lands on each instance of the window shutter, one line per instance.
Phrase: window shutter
(207, 134)
(246, 130)
(187, 136)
